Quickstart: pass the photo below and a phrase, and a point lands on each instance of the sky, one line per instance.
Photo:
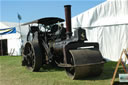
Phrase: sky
(31, 10)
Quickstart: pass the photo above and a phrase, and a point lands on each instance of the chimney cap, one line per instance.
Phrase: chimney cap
(67, 5)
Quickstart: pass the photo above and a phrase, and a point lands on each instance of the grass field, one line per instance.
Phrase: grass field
(12, 73)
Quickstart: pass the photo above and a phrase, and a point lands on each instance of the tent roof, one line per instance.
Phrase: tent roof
(111, 12)
(3, 25)
(24, 29)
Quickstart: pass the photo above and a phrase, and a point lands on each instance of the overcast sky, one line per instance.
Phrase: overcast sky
(35, 9)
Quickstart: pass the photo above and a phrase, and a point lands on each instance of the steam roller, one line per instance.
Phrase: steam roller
(55, 45)
(81, 60)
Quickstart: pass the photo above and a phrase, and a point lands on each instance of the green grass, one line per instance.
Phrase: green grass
(12, 73)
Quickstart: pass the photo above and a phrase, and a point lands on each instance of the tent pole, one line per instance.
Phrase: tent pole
(19, 18)
(20, 37)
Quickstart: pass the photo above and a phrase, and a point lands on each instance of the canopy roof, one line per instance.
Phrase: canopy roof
(46, 21)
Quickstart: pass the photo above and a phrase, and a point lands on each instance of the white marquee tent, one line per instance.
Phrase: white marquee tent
(14, 40)
(106, 24)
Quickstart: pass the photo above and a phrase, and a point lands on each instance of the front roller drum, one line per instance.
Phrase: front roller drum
(85, 63)
(84, 71)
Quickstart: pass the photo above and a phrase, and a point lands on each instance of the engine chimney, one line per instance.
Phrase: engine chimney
(68, 20)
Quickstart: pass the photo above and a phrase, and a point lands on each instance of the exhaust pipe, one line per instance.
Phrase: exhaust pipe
(68, 21)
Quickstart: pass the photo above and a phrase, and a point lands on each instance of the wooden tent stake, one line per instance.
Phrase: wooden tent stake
(123, 64)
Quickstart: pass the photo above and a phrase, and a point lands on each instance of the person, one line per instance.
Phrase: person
(63, 32)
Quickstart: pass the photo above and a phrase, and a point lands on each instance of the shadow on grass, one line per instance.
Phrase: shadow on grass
(108, 71)
(51, 68)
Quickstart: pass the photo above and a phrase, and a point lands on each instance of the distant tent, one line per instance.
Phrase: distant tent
(10, 38)
(106, 24)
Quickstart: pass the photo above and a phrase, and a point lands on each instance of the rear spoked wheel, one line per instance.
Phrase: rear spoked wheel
(32, 58)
